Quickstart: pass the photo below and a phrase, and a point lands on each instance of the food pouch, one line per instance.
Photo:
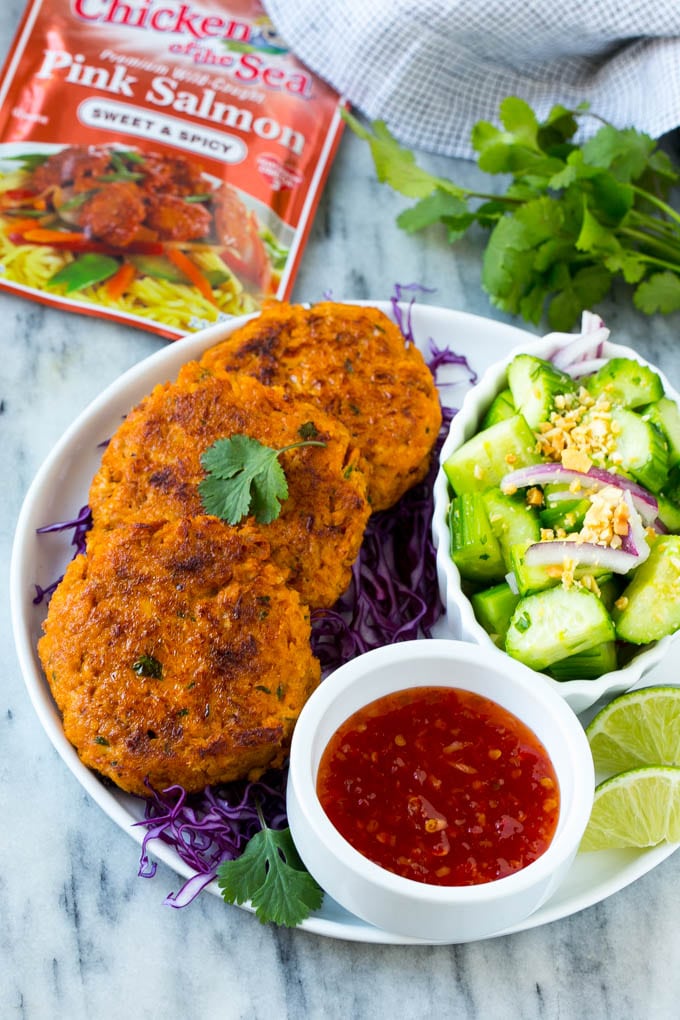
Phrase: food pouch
(160, 161)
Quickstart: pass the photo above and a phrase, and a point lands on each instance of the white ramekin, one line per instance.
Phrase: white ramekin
(436, 913)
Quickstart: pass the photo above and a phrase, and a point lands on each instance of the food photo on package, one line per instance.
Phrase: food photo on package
(160, 164)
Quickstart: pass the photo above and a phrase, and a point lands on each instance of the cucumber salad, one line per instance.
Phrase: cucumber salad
(565, 510)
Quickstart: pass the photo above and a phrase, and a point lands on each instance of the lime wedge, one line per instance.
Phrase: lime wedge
(635, 729)
(640, 807)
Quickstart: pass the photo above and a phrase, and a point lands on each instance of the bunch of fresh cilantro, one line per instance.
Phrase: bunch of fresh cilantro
(572, 219)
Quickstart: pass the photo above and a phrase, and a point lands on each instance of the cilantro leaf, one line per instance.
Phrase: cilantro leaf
(244, 476)
(630, 264)
(595, 236)
(518, 118)
(396, 165)
(625, 152)
(555, 134)
(582, 290)
(439, 205)
(271, 875)
(269, 489)
(660, 293)
(516, 242)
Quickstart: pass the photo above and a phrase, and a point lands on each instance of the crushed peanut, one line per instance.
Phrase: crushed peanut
(580, 429)
(568, 570)
(590, 584)
(576, 460)
(607, 519)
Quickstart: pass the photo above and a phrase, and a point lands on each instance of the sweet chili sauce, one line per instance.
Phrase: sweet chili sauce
(440, 785)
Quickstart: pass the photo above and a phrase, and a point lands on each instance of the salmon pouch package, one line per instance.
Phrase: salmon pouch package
(160, 161)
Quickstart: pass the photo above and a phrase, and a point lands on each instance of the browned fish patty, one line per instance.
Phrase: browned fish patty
(176, 653)
(354, 363)
(151, 470)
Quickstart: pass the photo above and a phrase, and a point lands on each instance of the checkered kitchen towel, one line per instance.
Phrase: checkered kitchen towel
(431, 68)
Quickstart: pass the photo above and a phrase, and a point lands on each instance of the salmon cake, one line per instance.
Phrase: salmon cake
(177, 653)
(151, 471)
(354, 363)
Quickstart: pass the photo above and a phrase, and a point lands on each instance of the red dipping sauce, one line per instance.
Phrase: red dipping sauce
(440, 785)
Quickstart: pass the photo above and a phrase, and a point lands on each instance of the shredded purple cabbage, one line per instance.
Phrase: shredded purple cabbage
(403, 320)
(393, 596)
(80, 524)
(208, 828)
(442, 356)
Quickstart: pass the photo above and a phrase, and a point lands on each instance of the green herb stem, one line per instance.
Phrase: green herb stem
(302, 442)
(659, 203)
(664, 249)
(654, 224)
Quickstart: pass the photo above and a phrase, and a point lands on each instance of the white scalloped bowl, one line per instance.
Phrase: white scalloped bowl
(418, 909)
(579, 694)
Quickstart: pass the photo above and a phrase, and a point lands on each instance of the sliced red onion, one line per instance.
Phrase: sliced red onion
(546, 554)
(543, 474)
(635, 542)
(586, 346)
(590, 321)
(581, 368)
(512, 582)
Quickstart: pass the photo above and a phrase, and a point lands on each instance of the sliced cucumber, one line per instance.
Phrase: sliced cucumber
(559, 512)
(494, 608)
(669, 514)
(567, 514)
(641, 449)
(530, 579)
(474, 547)
(487, 457)
(553, 624)
(652, 599)
(626, 382)
(665, 414)
(552, 492)
(512, 521)
(610, 590)
(533, 578)
(588, 665)
(501, 407)
(534, 384)
(671, 489)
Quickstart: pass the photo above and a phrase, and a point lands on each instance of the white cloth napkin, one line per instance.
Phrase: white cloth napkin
(432, 68)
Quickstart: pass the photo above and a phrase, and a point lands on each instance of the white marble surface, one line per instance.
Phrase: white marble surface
(80, 935)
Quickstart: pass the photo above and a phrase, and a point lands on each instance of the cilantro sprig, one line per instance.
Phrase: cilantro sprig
(243, 477)
(272, 876)
(572, 220)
